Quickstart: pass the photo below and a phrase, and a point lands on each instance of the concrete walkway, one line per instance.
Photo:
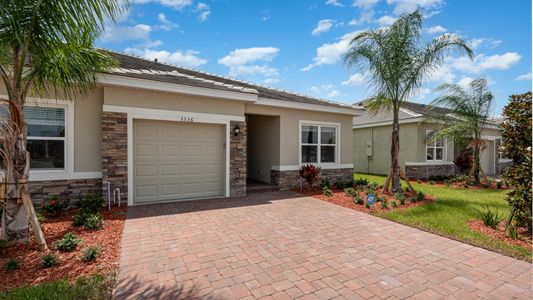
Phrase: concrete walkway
(283, 245)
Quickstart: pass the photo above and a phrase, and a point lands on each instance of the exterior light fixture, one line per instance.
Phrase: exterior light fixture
(236, 130)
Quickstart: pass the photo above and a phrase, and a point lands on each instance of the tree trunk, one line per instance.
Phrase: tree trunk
(395, 151)
(475, 166)
(15, 222)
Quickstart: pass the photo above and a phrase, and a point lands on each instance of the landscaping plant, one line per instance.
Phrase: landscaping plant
(55, 207)
(310, 174)
(401, 197)
(419, 196)
(360, 182)
(397, 66)
(516, 145)
(325, 182)
(350, 192)
(326, 191)
(69, 242)
(358, 199)
(12, 264)
(47, 50)
(394, 204)
(95, 222)
(490, 218)
(90, 254)
(384, 205)
(49, 260)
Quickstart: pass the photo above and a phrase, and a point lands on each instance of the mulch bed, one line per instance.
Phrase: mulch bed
(499, 233)
(70, 264)
(340, 198)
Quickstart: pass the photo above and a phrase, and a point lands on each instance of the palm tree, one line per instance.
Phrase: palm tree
(46, 48)
(397, 67)
(471, 108)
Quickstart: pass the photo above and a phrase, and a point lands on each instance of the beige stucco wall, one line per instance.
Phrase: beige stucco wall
(170, 101)
(380, 139)
(290, 130)
(263, 150)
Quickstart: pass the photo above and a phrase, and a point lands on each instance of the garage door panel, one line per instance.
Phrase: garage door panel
(175, 160)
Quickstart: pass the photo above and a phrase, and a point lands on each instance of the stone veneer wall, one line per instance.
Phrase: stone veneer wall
(286, 180)
(425, 171)
(115, 152)
(64, 189)
(238, 160)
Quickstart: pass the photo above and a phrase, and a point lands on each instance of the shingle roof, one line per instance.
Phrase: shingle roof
(136, 67)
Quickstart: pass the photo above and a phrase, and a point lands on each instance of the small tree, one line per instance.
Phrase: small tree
(516, 145)
(471, 108)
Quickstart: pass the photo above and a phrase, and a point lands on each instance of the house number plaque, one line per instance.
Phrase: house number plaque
(187, 119)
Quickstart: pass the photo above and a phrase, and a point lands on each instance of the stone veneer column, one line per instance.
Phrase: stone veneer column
(115, 152)
(287, 180)
(237, 160)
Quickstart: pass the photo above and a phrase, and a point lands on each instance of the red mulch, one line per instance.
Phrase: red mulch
(499, 233)
(340, 198)
(70, 264)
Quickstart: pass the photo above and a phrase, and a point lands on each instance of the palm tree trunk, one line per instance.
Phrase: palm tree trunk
(395, 151)
(475, 166)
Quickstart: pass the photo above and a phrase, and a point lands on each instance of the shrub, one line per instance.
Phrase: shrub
(91, 203)
(310, 174)
(490, 218)
(40, 217)
(69, 242)
(12, 264)
(384, 205)
(326, 191)
(350, 192)
(325, 183)
(394, 204)
(96, 222)
(3, 244)
(367, 205)
(401, 197)
(431, 182)
(55, 207)
(91, 253)
(512, 232)
(358, 199)
(418, 181)
(464, 160)
(360, 182)
(499, 184)
(341, 184)
(49, 260)
(373, 185)
(419, 196)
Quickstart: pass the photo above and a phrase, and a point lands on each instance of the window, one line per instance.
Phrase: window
(434, 148)
(501, 155)
(318, 144)
(46, 136)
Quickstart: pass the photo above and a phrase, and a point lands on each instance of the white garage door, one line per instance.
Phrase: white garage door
(175, 160)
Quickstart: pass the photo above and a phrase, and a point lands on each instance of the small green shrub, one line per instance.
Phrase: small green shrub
(418, 181)
(431, 182)
(370, 190)
(3, 244)
(50, 260)
(12, 264)
(419, 196)
(40, 217)
(358, 199)
(373, 185)
(384, 205)
(394, 204)
(401, 197)
(96, 222)
(325, 183)
(90, 203)
(55, 206)
(350, 192)
(367, 205)
(512, 232)
(341, 184)
(360, 182)
(499, 184)
(69, 242)
(490, 218)
(91, 253)
(79, 218)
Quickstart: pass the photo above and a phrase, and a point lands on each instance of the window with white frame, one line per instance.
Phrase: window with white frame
(318, 143)
(46, 136)
(434, 147)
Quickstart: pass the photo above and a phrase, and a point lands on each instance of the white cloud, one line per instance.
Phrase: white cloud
(334, 3)
(386, 20)
(203, 10)
(366, 17)
(356, 79)
(325, 90)
(334, 94)
(465, 82)
(365, 4)
(271, 80)
(245, 61)
(443, 74)
(420, 95)
(329, 54)
(408, 6)
(482, 62)
(525, 77)
(188, 58)
(176, 4)
(118, 34)
(436, 29)
(322, 26)
(477, 42)
(166, 24)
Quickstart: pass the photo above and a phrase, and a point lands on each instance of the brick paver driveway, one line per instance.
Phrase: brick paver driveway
(283, 246)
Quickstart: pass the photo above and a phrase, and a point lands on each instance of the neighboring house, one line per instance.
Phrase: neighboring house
(163, 133)
(419, 157)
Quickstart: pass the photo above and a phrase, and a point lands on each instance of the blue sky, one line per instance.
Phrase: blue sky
(297, 45)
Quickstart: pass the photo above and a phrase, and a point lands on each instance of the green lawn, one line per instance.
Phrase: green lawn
(93, 287)
(448, 215)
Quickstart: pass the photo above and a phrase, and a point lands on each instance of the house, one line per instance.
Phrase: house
(159, 133)
(419, 157)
